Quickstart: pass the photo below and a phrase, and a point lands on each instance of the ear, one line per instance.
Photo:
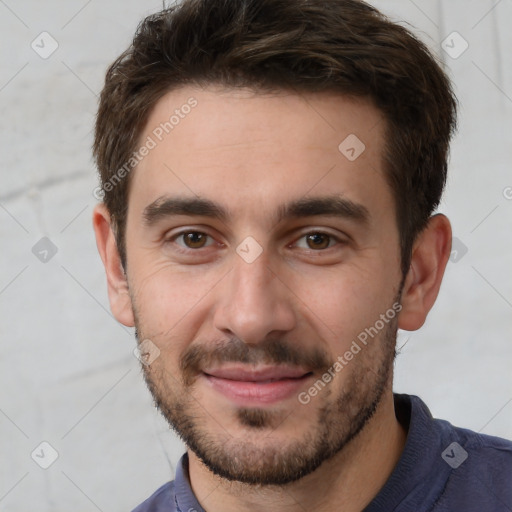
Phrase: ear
(120, 301)
(430, 255)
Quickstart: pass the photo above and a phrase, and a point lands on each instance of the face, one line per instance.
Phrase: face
(263, 267)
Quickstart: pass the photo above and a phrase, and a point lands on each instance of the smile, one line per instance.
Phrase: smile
(247, 386)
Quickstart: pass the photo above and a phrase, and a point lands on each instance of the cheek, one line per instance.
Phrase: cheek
(169, 301)
(342, 303)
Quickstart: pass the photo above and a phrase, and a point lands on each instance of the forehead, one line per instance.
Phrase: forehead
(250, 150)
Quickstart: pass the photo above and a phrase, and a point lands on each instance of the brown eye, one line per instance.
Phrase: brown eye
(318, 240)
(194, 239)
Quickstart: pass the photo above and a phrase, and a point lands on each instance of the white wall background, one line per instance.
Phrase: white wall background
(67, 372)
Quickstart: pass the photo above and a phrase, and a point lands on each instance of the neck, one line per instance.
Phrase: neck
(348, 481)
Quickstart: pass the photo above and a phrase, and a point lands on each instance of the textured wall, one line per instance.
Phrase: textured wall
(67, 372)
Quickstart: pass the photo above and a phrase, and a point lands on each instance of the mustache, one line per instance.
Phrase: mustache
(271, 351)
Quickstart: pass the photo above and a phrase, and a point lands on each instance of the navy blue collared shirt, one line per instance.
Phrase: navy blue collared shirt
(442, 469)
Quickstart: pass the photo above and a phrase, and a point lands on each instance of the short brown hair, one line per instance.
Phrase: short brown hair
(340, 46)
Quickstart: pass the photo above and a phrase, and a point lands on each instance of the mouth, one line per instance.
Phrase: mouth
(256, 386)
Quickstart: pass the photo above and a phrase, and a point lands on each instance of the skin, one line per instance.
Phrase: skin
(251, 153)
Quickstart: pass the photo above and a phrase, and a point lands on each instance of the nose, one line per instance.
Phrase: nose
(253, 303)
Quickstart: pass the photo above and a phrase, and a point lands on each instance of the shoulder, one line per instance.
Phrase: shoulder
(482, 449)
(489, 457)
(160, 501)
(449, 468)
(481, 471)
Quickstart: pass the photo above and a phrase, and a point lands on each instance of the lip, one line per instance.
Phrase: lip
(246, 386)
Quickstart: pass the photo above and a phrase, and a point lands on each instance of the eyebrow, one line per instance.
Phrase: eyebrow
(333, 206)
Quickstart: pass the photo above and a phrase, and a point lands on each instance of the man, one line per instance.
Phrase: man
(270, 170)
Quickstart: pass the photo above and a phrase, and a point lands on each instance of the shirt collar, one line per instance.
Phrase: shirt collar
(184, 497)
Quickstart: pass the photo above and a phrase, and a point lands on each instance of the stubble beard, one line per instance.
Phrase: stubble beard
(258, 455)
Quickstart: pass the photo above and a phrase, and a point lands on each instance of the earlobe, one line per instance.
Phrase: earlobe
(430, 255)
(119, 297)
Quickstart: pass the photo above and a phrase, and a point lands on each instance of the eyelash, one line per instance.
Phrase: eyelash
(188, 250)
